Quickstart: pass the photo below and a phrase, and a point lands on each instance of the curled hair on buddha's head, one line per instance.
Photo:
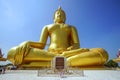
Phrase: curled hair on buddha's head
(60, 10)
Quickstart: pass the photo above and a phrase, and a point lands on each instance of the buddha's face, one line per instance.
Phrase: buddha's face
(59, 17)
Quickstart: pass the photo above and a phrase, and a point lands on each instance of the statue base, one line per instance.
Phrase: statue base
(35, 66)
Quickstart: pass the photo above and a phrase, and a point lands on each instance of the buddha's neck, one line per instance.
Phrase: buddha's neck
(59, 22)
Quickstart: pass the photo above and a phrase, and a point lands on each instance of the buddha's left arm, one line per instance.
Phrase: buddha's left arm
(74, 39)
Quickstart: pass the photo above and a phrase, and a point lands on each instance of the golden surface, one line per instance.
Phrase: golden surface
(64, 41)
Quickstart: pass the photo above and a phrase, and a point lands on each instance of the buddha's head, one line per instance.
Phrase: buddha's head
(59, 16)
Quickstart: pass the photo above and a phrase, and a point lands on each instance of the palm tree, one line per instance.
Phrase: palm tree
(111, 63)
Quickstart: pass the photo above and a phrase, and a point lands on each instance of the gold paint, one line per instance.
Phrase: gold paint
(64, 41)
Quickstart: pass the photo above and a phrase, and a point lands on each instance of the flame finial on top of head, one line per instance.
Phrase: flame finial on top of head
(59, 8)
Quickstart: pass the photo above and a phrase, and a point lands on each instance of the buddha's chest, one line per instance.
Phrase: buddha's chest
(59, 30)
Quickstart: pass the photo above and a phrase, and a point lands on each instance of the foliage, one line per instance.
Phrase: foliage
(111, 63)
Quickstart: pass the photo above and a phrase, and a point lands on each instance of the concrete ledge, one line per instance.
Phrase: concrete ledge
(88, 75)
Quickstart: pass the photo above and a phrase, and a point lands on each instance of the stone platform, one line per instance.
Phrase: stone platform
(67, 73)
(88, 75)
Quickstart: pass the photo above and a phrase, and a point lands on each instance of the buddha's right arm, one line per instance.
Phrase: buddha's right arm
(24, 48)
(43, 39)
(37, 45)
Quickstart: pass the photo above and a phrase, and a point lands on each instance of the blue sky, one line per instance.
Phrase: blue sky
(97, 21)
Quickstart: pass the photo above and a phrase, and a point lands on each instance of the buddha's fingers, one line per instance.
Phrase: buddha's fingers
(18, 56)
(19, 59)
(16, 61)
(27, 50)
(22, 50)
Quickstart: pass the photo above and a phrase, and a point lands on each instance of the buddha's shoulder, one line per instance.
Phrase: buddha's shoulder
(56, 25)
(49, 25)
(52, 25)
(68, 25)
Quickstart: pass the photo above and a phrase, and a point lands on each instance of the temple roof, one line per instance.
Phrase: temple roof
(3, 59)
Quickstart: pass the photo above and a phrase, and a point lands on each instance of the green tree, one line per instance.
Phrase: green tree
(111, 63)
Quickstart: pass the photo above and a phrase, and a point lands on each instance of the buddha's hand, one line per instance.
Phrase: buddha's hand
(70, 48)
(73, 46)
(25, 47)
(21, 51)
(74, 52)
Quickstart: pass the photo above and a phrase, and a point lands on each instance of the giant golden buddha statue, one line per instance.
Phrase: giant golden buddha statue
(64, 41)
